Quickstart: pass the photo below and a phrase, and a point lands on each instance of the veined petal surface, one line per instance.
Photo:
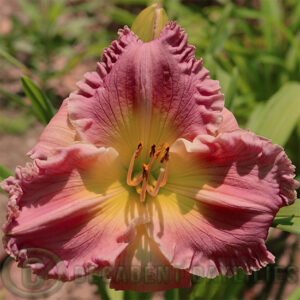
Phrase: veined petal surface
(223, 192)
(58, 133)
(138, 170)
(142, 267)
(74, 206)
(153, 92)
(229, 122)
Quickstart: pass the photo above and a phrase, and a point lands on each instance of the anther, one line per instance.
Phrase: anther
(138, 150)
(152, 151)
(135, 155)
(158, 151)
(165, 156)
(161, 154)
(145, 171)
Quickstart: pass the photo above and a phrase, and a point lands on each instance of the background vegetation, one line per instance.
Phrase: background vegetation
(251, 46)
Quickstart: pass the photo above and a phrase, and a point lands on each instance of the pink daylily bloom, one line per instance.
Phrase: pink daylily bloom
(143, 170)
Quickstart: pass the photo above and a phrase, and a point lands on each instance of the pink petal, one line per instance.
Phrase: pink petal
(229, 122)
(74, 207)
(142, 267)
(58, 133)
(222, 194)
(152, 92)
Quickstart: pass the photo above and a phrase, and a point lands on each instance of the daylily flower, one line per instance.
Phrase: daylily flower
(143, 168)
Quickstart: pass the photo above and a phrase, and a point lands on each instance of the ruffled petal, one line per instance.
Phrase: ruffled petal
(222, 194)
(58, 133)
(153, 92)
(72, 206)
(229, 122)
(142, 267)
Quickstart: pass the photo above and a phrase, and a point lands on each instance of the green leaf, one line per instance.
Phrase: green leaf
(149, 23)
(172, 294)
(295, 16)
(288, 218)
(115, 295)
(102, 290)
(14, 61)
(247, 13)
(13, 98)
(121, 16)
(4, 173)
(224, 79)
(41, 105)
(132, 295)
(231, 89)
(218, 288)
(131, 2)
(271, 11)
(222, 31)
(17, 125)
(278, 117)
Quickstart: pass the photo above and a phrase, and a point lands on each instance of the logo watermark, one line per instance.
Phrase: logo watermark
(20, 280)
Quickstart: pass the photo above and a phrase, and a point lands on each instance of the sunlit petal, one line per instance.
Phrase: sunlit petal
(58, 133)
(142, 267)
(229, 122)
(153, 92)
(74, 206)
(222, 194)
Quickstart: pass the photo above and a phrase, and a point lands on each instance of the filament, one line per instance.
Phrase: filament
(162, 155)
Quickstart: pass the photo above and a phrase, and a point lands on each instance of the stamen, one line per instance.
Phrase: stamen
(154, 191)
(130, 169)
(158, 151)
(146, 169)
(166, 174)
(152, 151)
(165, 156)
(145, 182)
(138, 150)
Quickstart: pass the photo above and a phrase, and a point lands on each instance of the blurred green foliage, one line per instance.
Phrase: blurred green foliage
(18, 125)
(251, 47)
(41, 105)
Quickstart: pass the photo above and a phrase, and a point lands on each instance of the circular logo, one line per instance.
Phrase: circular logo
(22, 282)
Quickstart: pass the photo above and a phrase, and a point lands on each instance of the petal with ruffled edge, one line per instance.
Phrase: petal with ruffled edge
(229, 122)
(153, 92)
(142, 267)
(74, 206)
(58, 133)
(222, 194)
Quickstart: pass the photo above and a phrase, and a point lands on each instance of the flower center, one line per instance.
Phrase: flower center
(142, 180)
